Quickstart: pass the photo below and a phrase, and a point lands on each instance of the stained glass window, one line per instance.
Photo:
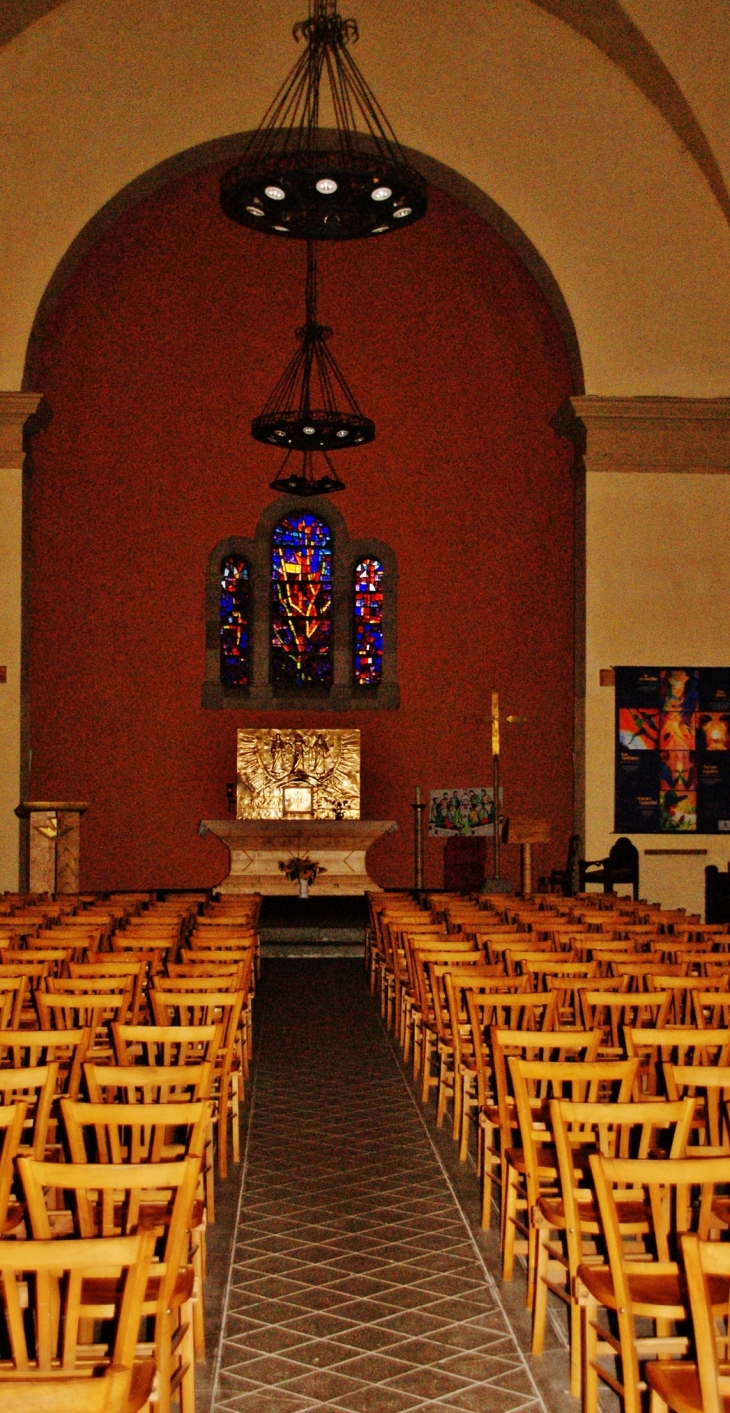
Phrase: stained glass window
(234, 622)
(301, 595)
(368, 622)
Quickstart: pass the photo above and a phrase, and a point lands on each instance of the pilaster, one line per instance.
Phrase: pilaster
(15, 409)
(657, 517)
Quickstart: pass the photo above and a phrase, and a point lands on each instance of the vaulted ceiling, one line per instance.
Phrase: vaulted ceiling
(604, 22)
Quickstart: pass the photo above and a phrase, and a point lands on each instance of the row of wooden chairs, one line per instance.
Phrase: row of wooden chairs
(571, 1054)
(159, 1053)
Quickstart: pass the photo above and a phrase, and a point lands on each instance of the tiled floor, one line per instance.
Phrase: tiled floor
(355, 1284)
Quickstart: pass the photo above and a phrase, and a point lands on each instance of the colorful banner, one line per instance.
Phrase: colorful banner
(672, 750)
(462, 812)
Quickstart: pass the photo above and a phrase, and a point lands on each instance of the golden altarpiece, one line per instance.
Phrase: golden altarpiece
(298, 795)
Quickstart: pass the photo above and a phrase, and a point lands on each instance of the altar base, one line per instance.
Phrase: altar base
(258, 846)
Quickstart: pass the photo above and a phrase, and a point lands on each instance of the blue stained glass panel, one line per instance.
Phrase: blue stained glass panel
(301, 600)
(368, 623)
(234, 622)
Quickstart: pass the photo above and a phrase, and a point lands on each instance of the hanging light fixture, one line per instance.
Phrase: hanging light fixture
(298, 179)
(302, 412)
(306, 482)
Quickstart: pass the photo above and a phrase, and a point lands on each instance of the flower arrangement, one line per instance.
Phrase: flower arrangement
(299, 868)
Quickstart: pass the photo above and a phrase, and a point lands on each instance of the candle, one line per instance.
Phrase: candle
(495, 724)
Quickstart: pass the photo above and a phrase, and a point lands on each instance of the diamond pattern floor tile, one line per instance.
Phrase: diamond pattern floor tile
(354, 1284)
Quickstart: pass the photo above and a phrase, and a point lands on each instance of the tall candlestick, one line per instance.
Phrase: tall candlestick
(496, 884)
(418, 809)
(495, 724)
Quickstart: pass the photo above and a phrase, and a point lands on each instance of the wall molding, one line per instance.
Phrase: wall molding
(658, 434)
(15, 409)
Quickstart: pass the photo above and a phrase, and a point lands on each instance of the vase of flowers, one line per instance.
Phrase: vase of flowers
(302, 871)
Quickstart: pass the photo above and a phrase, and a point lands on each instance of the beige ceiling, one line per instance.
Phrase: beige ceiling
(604, 22)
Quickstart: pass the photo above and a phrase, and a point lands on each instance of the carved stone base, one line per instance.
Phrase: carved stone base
(258, 846)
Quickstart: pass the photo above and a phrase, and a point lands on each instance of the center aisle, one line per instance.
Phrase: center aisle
(355, 1284)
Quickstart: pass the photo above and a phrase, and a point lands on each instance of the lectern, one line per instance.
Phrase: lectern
(54, 843)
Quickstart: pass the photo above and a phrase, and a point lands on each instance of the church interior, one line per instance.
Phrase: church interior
(364, 706)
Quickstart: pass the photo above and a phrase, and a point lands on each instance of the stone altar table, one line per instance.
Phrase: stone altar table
(258, 845)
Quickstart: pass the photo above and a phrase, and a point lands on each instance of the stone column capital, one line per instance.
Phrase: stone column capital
(15, 409)
(658, 434)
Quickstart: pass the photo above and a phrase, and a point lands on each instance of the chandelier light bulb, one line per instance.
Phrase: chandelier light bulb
(326, 187)
(382, 193)
(309, 431)
(274, 193)
(402, 211)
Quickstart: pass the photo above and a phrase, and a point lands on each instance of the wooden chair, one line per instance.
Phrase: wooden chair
(108, 967)
(562, 880)
(165, 1044)
(612, 1012)
(426, 1024)
(59, 1393)
(86, 987)
(541, 970)
(457, 982)
(568, 1224)
(647, 975)
(532, 1169)
(153, 1117)
(54, 958)
(221, 1008)
(13, 991)
(65, 1286)
(400, 934)
(711, 1007)
(704, 1385)
(36, 1090)
(402, 987)
(649, 1285)
(236, 971)
(148, 1084)
(570, 1012)
(498, 1116)
(673, 1045)
(449, 1044)
(111, 1199)
(12, 1124)
(27, 1049)
(70, 1011)
(710, 1086)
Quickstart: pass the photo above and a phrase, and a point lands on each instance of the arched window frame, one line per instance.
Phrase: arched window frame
(260, 695)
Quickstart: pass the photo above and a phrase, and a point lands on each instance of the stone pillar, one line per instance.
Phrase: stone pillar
(53, 845)
(15, 409)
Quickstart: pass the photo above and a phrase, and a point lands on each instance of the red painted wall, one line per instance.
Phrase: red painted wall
(164, 343)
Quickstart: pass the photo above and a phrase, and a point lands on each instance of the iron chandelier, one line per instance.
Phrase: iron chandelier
(302, 412)
(299, 179)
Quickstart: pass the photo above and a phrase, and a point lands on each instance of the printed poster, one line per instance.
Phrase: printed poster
(672, 750)
(462, 813)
